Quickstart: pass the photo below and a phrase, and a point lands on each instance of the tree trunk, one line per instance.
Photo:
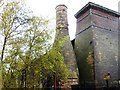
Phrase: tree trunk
(1, 64)
(3, 49)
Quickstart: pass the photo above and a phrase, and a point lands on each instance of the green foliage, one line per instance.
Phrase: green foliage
(56, 63)
(29, 57)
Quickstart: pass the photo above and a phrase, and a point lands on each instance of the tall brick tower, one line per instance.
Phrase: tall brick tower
(61, 32)
(96, 46)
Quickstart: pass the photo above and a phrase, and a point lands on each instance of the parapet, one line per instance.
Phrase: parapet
(96, 7)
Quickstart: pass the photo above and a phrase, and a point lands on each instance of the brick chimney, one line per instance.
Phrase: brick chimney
(61, 32)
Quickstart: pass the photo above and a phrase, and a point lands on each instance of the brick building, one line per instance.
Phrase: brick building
(95, 44)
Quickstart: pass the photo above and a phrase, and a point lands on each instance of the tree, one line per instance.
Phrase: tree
(8, 17)
(28, 57)
(53, 66)
(15, 23)
(25, 50)
(10, 22)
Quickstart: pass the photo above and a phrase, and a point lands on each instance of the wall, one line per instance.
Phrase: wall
(96, 45)
(105, 35)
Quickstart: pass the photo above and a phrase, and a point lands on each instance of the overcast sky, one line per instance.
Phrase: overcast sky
(46, 8)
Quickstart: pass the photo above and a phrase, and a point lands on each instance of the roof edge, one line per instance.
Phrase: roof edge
(93, 5)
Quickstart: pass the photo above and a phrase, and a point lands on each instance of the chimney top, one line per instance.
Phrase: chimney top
(61, 5)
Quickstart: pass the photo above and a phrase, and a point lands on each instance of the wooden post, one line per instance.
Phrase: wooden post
(54, 82)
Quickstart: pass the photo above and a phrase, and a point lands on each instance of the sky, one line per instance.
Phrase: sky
(46, 8)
